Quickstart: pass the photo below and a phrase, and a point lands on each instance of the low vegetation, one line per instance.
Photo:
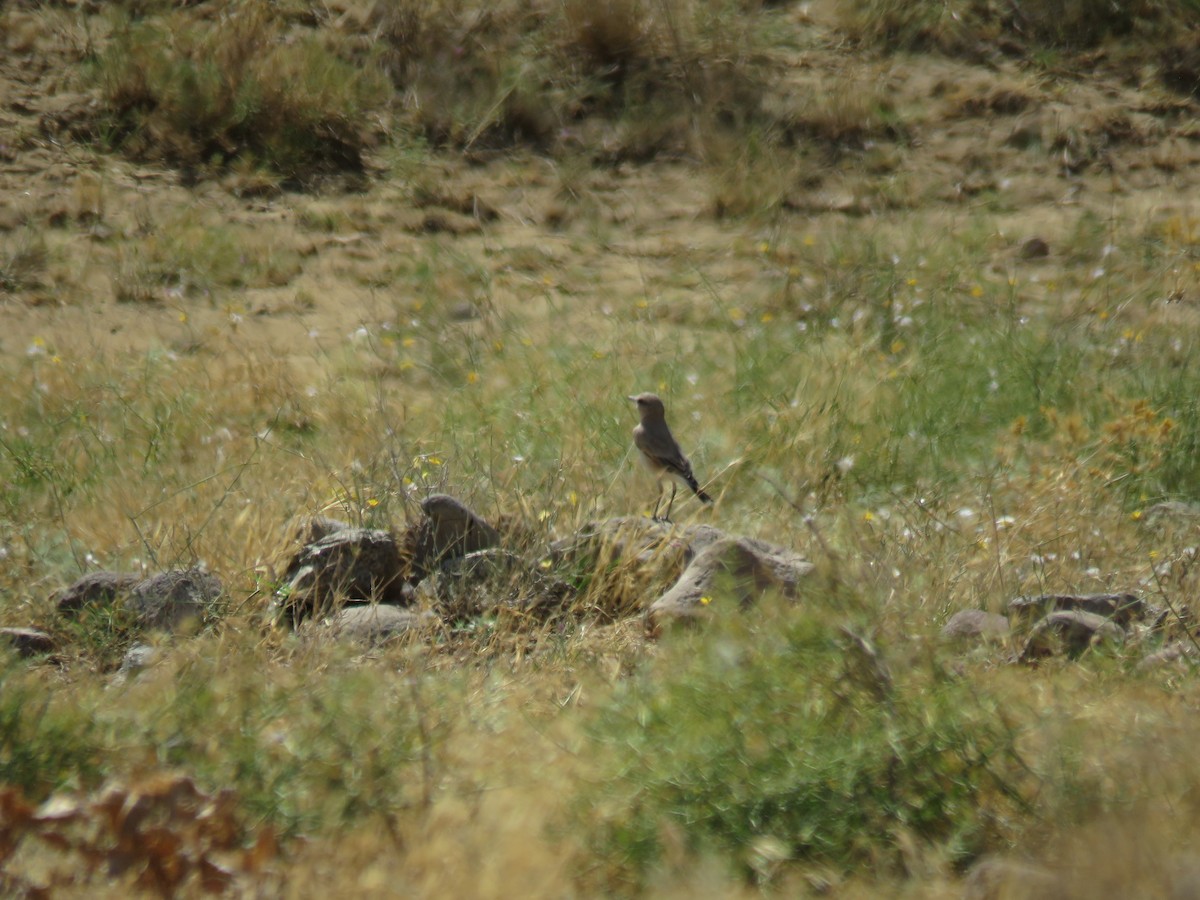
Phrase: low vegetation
(977, 26)
(284, 260)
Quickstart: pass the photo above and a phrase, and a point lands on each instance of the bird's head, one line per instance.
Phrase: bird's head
(648, 405)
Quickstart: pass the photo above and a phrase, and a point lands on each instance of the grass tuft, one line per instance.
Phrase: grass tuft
(196, 91)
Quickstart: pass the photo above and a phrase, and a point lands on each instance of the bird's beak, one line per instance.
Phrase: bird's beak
(634, 399)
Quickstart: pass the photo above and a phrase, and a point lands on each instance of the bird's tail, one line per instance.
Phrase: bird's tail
(695, 486)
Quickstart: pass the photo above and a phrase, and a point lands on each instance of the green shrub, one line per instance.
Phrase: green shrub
(45, 743)
(791, 731)
(536, 73)
(193, 92)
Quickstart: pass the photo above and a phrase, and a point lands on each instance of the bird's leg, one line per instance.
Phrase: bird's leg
(657, 503)
(670, 503)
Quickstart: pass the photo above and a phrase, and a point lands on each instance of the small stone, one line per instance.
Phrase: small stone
(375, 623)
(450, 529)
(1172, 654)
(27, 642)
(94, 588)
(137, 658)
(975, 623)
(1034, 248)
(755, 567)
(172, 600)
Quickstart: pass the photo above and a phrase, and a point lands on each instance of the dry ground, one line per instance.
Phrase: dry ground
(1046, 156)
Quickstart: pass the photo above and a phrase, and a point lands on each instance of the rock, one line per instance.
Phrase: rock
(1070, 632)
(318, 528)
(27, 642)
(449, 529)
(975, 624)
(164, 601)
(346, 565)
(1121, 608)
(1171, 510)
(137, 658)
(94, 588)
(174, 599)
(996, 877)
(375, 623)
(1172, 654)
(1034, 248)
(754, 567)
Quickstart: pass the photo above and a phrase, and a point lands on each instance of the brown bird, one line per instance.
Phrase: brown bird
(661, 453)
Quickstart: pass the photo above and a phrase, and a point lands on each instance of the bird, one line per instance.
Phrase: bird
(661, 453)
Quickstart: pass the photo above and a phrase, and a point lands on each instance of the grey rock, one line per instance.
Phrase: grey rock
(1122, 608)
(1171, 510)
(172, 600)
(343, 566)
(997, 877)
(449, 529)
(1034, 248)
(1179, 652)
(165, 601)
(978, 624)
(752, 566)
(27, 642)
(137, 658)
(318, 528)
(93, 589)
(375, 623)
(1071, 632)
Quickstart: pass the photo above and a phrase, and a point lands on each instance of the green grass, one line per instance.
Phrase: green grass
(782, 733)
(46, 743)
(197, 93)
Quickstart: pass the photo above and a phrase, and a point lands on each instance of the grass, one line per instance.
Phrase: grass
(973, 26)
(781, 740)
(937, 422)
(232, 91)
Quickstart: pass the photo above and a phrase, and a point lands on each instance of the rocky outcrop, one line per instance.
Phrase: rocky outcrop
(738, 569)
(975, 625)
(449, 529)
(27, 642)
(1123, 609)
(93, 589)
(374, 624)
(339, 567)
(1070, 632)
(174, 600)
(168, 601)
